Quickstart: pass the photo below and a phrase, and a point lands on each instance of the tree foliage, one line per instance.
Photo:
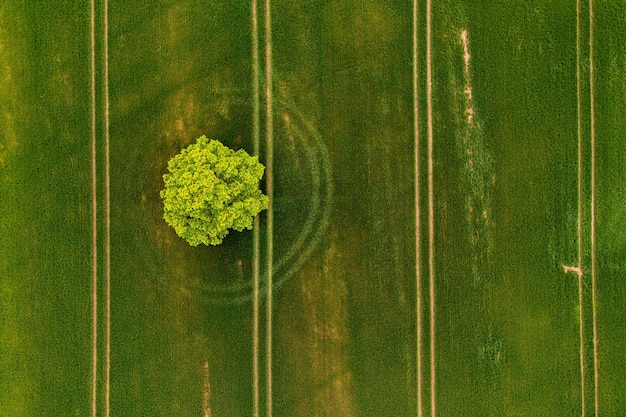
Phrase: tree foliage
(211, 189)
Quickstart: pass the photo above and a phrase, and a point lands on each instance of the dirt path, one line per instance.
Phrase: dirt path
(94, 209)
(431, 217)
(580, 214)
(418, 272)
(94, 224)
(206, 393)
(269, 136)
(108, 211)
(593, 209)
(256, 232)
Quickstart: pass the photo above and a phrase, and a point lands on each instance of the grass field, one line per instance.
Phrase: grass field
(446, 234)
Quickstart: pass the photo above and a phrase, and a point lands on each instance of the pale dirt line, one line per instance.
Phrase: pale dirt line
(418, 272)
(596, 371)
(431, 220)
(270, 194)
(255, 234)
(580, 219)
(579, 273)
(94, 222)
(469, 111)
(582, 343)
(108, 210)
(206, 394)
(466, 59)
(255, 325)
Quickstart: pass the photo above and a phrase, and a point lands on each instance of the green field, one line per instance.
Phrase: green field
(448, 228)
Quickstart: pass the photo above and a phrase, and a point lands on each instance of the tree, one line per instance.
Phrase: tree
(210, 189)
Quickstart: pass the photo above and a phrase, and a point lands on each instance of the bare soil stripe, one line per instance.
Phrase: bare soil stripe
(418, 272)
(108, 210)
(255, 234)
(269, 136)
(94, 222)
(593, 210)
(431, 220)
(255, 325)
(206, 393)
(580, 216)
(582, 343)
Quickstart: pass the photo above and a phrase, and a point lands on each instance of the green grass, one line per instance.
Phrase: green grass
(505, 214)
(173, 71)
(357, 91)
(45, 213)
(611, 174)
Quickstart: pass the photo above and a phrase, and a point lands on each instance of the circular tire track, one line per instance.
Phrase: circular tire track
(307, 144)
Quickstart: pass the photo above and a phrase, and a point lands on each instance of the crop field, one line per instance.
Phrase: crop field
(446, 233)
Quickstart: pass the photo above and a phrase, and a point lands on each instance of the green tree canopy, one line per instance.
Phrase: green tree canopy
(211, 189)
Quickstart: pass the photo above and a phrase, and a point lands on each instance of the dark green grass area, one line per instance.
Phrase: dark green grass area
(45, 230)
(185, 72)
(610, 93)
(505, 201)
(341, 134)
(178, 70)
(344, 330)
(347, 329)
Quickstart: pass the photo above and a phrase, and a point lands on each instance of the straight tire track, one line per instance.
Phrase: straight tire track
(582, 343)
(431, 220)
(255, 234)
(269, 136)
(206, 395)
(94, 208)
(594, 303)
(94, 216)
(580, 210)
(107, 393)
(418, 272)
